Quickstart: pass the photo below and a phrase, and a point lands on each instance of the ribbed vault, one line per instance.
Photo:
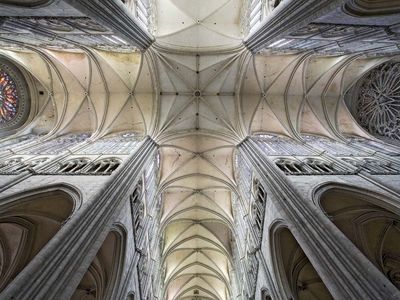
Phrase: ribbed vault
(198, 93)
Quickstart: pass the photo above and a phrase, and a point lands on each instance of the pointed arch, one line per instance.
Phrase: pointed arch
(369, 220)
(28, 221)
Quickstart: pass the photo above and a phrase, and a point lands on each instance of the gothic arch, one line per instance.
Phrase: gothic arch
(369, 221)
(296, 276)
(28, 222)
(101, 280)
(265, 295)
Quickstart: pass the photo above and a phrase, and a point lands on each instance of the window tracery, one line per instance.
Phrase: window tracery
(376, 146)
(73, 165)
(8, 164)
(258, 207)
(104, 166)
(150, 181)
(25, 165)
(57, 145)
(137, 210)
(243, 176)
(374, 166)
(290, 166)
(320, 166)
(310, 166)
(378, 101)
(331, 146)
(275, 145)
(119, 144)
(17, 142)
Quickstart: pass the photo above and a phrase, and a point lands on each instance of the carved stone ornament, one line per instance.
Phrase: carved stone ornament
(378, 103)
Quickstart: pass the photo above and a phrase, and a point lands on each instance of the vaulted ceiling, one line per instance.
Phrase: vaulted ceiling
(198, 92)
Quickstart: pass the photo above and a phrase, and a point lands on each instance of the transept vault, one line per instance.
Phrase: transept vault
(226, 133)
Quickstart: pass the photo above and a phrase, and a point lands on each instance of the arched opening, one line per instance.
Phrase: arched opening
(73, 165)
(258, 206)
(101, 279)
(265, 295)
(131, 297)
(290, 167)
(27, 226)
(298, 277)
(374, 230)
(105, 166)
(137, 210)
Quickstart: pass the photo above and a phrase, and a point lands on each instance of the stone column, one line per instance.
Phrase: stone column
(57, 269)
(346, 272)
(289, 16)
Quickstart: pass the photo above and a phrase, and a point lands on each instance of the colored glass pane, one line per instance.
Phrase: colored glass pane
(8, 98)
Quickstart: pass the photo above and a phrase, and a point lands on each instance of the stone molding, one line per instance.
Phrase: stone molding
(346, 274)
(56, 271)
(287, 18)
(120, 20)
(29, 3)
(367, 8)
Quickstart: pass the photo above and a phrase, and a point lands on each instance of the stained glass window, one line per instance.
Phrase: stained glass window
(8, 98)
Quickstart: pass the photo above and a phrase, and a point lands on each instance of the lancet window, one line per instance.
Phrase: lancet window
(320, 166)
(374, 166)
(137, 210)
(29, 164)
(290, 166)
(150, 181)
(72, 166)
(57, 145)
(104, 166)
(258, 207)
(9, 164)
(252, 271)
(330, 146)
(310, 166)
(377, 146)
(275, 145)
(16, 142)
(118, 144)
(243, 176)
